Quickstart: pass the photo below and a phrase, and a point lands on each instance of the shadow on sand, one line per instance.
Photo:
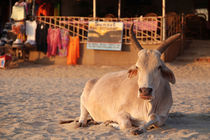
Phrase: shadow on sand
(199, 122)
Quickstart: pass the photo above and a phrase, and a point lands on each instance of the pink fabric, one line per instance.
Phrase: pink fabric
(64, 42)
(53, 41)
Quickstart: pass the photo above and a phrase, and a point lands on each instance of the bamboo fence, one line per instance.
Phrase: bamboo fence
(148, 30)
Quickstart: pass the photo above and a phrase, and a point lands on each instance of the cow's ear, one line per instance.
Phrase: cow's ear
(167, 74)
(132, 71)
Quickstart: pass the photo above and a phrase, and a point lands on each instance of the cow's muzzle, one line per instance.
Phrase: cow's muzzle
(145, 93)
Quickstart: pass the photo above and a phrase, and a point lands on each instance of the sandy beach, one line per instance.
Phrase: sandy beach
(34, 98)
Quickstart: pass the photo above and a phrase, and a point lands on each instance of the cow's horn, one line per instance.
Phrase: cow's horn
(163, 46)
(134, 41)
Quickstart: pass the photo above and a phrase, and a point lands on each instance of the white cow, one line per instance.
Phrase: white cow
(140, 96)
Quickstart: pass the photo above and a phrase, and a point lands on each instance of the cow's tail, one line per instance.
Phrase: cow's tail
(67, 121)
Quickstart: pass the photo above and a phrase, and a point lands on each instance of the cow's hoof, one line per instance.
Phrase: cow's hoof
(79, 124)
(137, 131)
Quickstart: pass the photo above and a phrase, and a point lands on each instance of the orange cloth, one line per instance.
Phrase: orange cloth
(73, 51)
(45, 10)
(42, 11)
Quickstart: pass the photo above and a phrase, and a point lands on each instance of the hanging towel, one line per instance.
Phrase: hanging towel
(53, 41)
(64, 42)
(73, 51)
(31, 32)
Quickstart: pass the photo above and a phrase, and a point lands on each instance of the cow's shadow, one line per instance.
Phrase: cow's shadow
(182, 124)
(193, 121)
(178, 116)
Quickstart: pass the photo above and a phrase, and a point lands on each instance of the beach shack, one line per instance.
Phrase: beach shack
(101, 28)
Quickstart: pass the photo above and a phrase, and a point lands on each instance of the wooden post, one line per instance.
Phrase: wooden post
(94, 8)
(164, 18)
(119, 8)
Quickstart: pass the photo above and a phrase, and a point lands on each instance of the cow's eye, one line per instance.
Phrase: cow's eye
(137, 67)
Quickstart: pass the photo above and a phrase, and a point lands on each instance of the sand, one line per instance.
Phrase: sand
(34, 98)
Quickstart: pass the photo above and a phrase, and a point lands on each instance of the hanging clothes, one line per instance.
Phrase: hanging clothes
(53, 41)
(41, 37)
(31, 32)
(73, 51)
(19, 29)
(64, 42)
(19, 11)
(45, 10)
(22, 37)
(42, 11)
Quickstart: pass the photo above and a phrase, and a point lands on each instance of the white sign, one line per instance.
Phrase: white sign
(105, 35)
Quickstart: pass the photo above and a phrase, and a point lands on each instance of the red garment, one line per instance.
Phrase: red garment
(53, 41)
(73, 51)
(45, 10)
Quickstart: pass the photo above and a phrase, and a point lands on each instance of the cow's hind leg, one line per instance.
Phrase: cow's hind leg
(83, 100)
(83, 116)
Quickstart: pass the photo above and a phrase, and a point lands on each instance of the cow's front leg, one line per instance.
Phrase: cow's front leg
(153, 120)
